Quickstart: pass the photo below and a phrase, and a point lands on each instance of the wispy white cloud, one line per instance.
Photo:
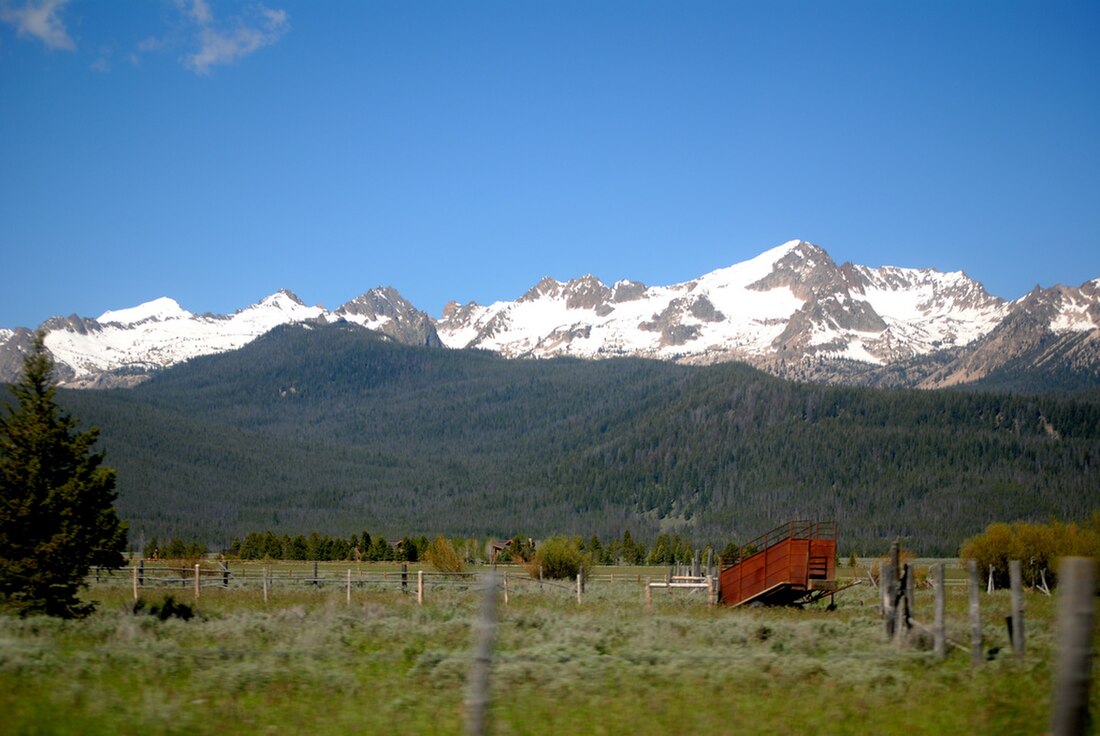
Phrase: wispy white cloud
(199, 11)
(39, 19)
(224, 43)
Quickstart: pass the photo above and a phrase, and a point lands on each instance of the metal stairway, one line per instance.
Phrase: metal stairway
(792, 564)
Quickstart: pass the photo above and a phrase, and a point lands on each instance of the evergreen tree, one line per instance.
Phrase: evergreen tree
(57, 515)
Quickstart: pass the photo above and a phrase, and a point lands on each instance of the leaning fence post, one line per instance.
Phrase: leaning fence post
(477, 694)
(1016, 579)
(196, 581)
(975, 613)
(1076, 616)
(939, 629)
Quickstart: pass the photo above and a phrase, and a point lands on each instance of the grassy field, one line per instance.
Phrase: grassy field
(307, 661)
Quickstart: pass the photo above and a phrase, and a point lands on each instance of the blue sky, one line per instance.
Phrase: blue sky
(218, 151)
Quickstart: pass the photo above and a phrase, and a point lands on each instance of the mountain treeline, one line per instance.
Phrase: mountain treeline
(334, 428)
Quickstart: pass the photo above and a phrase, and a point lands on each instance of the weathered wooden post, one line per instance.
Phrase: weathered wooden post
(265, 583)
(404, 577)
(141, 572)
(1076, 618)
(316, 577)
(225, 573)
(477, 693)
(197, 585)
(349, 587)
(580, 587)
(135, 583)
(648, 596)
(975, 613)
(910, 586)
(901, 609)
(505, 589)
(939, 627)
(419, 587)
(888, 588)
(1016, 580)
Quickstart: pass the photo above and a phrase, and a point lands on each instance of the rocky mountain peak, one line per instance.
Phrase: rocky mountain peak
(806, 270)
(587, 292)
(546, 287)
(384, 309)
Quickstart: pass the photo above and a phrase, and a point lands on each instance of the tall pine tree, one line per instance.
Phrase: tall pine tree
(57, 515)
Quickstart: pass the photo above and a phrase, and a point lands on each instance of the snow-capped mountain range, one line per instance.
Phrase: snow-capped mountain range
(791, 310)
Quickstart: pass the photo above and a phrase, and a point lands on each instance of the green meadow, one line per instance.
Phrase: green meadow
(308, 661)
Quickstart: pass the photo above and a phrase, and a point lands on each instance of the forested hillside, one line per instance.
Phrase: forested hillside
(336, 429)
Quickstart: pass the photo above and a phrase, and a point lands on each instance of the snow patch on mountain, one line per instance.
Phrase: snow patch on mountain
(161, 333)
(585, 318)
(158, 309)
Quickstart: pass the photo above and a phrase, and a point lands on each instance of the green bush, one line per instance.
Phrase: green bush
(559, 558)
(1037, 546)
(442, 556)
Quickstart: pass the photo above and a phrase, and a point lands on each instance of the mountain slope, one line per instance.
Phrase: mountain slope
(791, 311)
(792, 302)
(122, 347)
(334, 427)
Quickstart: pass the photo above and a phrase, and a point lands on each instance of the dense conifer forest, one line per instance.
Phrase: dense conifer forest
(336, 429)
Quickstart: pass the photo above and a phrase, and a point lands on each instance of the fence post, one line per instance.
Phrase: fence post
(197, 584)
(939, 629)
(505, 589)
(265, 583)
(648, 596)
(975, 613)
(349, 586)
(580, 588)
(135, 583)
(1016, 579)
(404, 577)
(888, 590)
(316, 580)
(1076, 616)
(901, 612)
(419, 587)
(141, 572)
(477, 694)
(225, 573)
